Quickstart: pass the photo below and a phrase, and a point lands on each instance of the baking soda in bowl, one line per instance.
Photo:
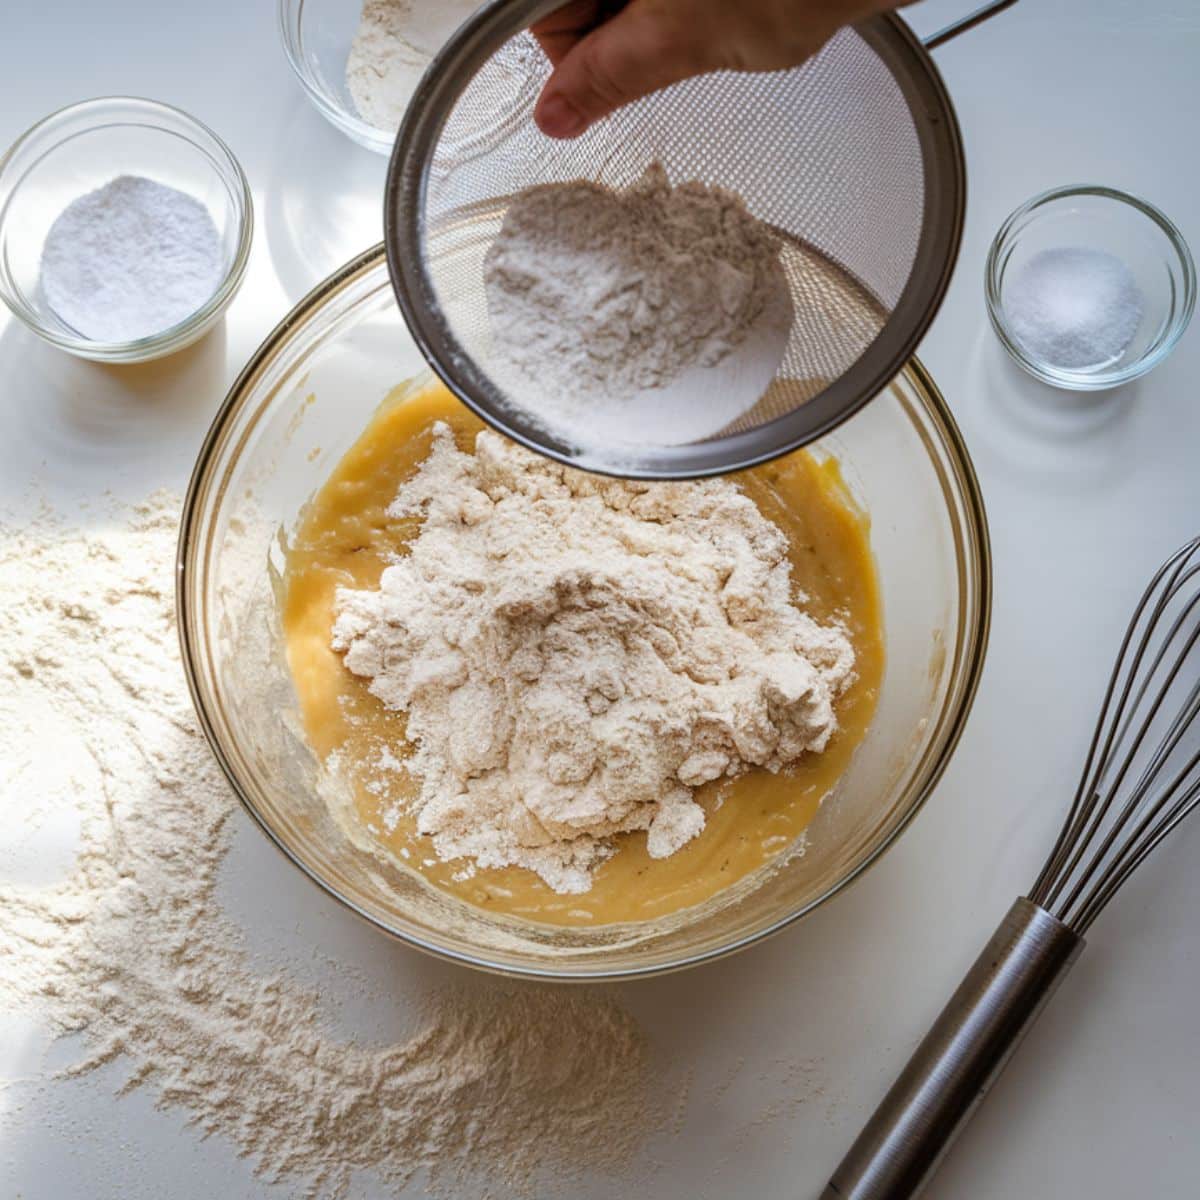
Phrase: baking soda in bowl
(130, 260)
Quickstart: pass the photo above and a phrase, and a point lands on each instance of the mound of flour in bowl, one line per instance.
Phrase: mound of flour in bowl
(576, 654)
(396, 40)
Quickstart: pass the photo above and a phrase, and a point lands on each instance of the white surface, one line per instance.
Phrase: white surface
(1085, 497)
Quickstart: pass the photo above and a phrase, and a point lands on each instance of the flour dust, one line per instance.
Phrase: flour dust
(131, 950)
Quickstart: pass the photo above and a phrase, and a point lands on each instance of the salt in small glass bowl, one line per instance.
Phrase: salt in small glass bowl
(79, 149)
(1102, 219)
(317, 35)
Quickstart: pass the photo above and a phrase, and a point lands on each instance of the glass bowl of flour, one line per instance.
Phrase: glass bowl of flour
(304, 400)
(359, 61)
(125, 229)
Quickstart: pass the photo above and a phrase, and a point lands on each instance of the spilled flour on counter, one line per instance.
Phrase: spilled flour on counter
(576, 654)
(496, 1085)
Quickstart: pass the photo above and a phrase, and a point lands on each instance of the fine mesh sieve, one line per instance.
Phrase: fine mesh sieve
(854, 159)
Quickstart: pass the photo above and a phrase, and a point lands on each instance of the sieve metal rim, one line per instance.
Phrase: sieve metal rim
(940, 140)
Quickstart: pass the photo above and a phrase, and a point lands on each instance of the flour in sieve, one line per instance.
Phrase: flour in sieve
(611, 310)
(576, 655)
(131, 949)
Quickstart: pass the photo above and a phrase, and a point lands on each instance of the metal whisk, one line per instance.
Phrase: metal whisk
(1141, 780)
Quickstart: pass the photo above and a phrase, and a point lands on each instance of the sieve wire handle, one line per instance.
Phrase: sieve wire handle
(959, 1059)
(972, 19)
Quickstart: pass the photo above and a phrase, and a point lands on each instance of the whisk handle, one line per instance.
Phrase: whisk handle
(961, 1055)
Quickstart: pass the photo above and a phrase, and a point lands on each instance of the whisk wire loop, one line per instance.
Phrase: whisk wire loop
(1161, 754)
(1135, 788)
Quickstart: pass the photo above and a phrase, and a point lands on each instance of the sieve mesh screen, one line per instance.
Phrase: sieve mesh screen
(834, 155)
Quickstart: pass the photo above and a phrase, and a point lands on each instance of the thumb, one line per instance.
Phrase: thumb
(633, 54)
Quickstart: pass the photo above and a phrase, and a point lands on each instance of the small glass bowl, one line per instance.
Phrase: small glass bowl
(1098, 218)
(316, 36)
(83, 147)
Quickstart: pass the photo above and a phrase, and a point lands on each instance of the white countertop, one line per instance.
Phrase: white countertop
(1103, 1101)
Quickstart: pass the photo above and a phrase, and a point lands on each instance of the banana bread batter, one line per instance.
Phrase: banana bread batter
(346, 540)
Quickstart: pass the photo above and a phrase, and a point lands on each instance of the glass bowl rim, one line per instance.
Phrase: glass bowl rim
(290, 17)
(973, 552)
(183, 332)
(1078, 380)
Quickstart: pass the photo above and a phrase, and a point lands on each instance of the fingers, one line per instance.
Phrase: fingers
(607, 53)
(636, 52)
(559, 32)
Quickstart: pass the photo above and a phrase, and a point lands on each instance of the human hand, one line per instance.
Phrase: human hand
(607, 53)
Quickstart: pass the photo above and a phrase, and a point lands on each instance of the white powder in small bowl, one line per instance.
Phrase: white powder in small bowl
(131, 259)
(1074, 307)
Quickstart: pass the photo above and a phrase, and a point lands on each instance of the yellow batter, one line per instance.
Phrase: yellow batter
(345, 538)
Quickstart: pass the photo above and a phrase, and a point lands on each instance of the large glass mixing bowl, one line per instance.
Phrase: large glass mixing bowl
(306, 396)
